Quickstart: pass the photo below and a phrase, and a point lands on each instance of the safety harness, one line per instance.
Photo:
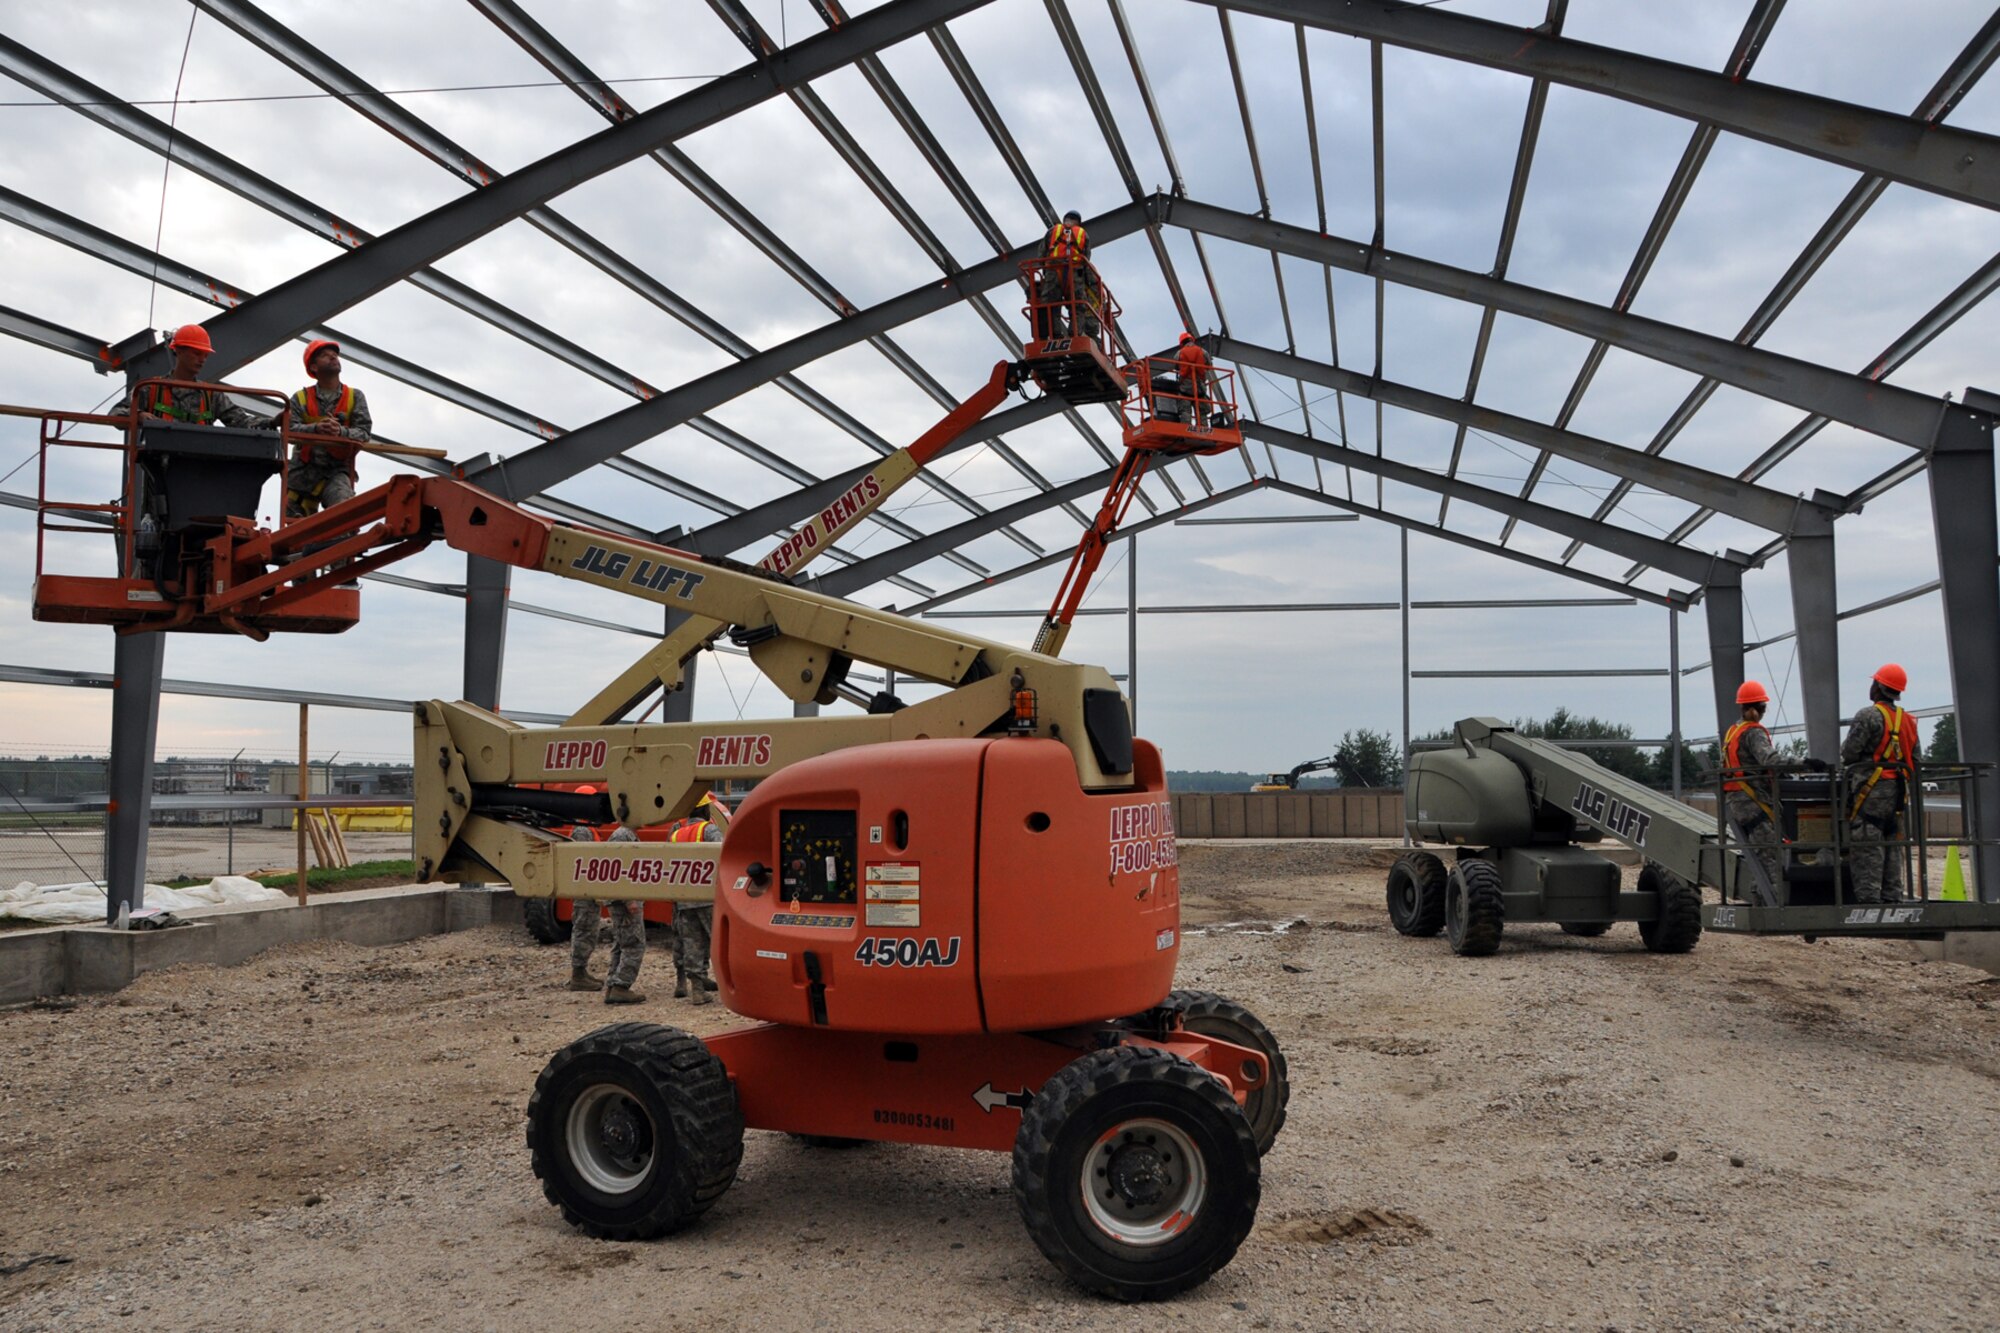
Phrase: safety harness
(1066, 241)
(306, 403)
(160, 402)
(1895, 750)
(1732, 761)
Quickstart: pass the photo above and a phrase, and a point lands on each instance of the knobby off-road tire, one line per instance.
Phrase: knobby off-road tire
(1677, 929)
(539, 916)
(634, 1131)
(1474, 913)
(1136, 1173)
(1417, 886)
(1211, 1015)
(1590, 930)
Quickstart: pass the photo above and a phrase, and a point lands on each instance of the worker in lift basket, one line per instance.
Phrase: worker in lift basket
(203, 407)
(1067, 285)
(322, 470)
(1750, 788)
(1880, 753)
(628, 932)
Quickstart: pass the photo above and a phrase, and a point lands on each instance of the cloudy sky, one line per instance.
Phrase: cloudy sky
(1233, 691)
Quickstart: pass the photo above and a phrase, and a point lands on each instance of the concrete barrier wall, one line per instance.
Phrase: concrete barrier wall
(1286, 814)
(1366, 814)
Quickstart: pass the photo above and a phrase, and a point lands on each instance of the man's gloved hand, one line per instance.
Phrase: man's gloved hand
(1816, 765)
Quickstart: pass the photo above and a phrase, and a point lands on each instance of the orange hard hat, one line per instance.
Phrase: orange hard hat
(1187, 337)
(314, 348)
(1893, 677)
(192, 335)
(1752, 692)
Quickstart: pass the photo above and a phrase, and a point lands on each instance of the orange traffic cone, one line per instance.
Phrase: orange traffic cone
(1954, 877)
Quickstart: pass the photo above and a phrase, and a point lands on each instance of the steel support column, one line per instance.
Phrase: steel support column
(486, 584)
(135, 724)
(1968, 534)
(1132, 627)
(678, 705)
(1815, 619)
(1723, 603)
(1674, 692)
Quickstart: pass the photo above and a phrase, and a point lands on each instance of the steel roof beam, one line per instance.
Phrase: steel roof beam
(246, 332)
(1880, 409)
(1767, 509)
(41, 332)
(539, 43)
(549, 464)
(1680, 561)
(1958, 164)
(1676, 599)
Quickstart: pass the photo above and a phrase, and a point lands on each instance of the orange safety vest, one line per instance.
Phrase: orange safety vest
(689, 831)
(306, 400)
(1896, 750)
(1065, 242)
(160, 403)
(1191, 358)
(1732, 759)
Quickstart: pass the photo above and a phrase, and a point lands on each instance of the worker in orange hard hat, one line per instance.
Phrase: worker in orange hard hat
(322, 470)
(1880, 753)
(1749, 787)
(694, 923)
(1067, 293)
(207, 407)
(1196, 373)
(627, 928)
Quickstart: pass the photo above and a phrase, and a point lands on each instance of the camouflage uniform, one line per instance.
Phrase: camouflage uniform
(323, 480)
(1756, 822)
(628, 927)
(1876, 866)
(694, 925)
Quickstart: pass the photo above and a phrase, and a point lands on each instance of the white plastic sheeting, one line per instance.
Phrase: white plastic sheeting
(75, 904)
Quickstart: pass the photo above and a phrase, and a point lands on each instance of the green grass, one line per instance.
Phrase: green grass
(319, 877)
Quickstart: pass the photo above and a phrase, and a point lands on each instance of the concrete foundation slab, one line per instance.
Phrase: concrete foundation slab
(75, 960)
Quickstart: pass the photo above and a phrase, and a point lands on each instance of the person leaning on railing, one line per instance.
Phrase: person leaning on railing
(1749, 790)
(1879, 752)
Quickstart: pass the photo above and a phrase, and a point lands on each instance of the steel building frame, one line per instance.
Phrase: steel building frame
(1950, 444)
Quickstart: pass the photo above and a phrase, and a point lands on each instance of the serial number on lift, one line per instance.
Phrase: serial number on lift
(645, 870)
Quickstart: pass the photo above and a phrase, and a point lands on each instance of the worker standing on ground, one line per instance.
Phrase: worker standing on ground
(322, 472)
(628, 934)
(1750, 789)
(206, 407)
(1879, 752)
(694, 923)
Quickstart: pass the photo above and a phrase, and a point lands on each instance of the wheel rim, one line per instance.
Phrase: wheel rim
(610, 1139)
(1143, 1182)
(1406, 898)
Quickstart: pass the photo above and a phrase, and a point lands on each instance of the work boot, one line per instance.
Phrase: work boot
(708, 983)
(622, 995)
(680, 986)
(702, 994)
(580, 979)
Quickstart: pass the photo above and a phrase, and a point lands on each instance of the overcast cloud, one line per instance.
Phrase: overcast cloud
(1232, 691)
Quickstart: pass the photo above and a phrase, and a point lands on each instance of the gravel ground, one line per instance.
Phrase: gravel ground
(1571, 1134)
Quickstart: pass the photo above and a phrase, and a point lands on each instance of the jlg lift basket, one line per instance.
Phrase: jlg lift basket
(1073, 322)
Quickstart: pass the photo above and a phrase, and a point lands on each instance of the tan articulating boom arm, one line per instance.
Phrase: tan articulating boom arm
(661, 665)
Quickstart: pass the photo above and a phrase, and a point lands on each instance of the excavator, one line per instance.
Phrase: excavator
(1290, 781)
(954, 923)
(1524, 815)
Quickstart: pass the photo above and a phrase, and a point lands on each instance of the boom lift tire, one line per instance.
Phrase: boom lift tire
(1474, 912)
(1678, 926)
(1136, 1173)
(1589, 930)
(634, 1131)
(1418, 882)
(1211, 1015)
(539, 916)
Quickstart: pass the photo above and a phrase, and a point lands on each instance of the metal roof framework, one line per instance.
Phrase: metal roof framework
(1919, 151)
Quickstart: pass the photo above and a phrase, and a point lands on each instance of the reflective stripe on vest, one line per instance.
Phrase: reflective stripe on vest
(1732, 759)
(1066, 242)
(162, 404)
(307, 401)
(691, 831)
(1897, 749)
